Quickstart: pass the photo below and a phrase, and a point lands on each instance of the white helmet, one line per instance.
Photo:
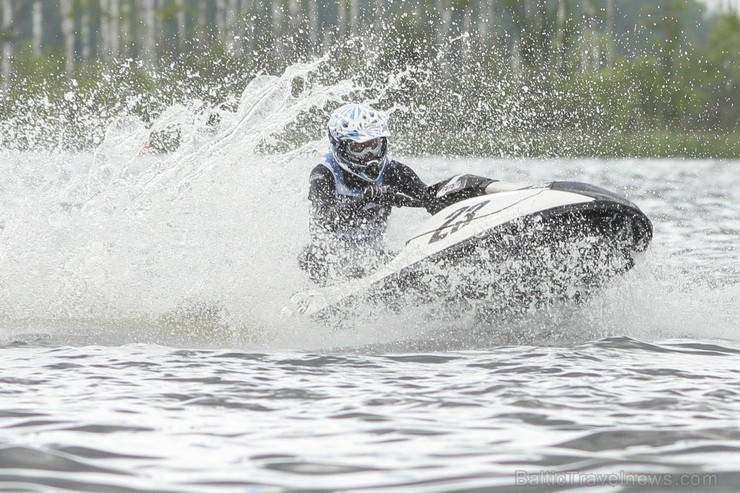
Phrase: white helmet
(359, 139)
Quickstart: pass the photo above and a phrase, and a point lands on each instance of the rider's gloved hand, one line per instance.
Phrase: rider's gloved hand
(377, 192)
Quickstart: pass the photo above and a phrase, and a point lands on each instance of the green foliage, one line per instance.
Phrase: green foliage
(723, 71)
(536, 84)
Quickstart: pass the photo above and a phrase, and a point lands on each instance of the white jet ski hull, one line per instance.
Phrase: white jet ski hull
(458, 251)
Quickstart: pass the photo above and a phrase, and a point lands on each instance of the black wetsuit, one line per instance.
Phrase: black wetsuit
(346, 227)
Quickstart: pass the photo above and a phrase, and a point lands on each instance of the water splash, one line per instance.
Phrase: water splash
(117, 238)
(197, 246)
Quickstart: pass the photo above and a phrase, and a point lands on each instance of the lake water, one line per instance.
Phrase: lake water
(144, 345)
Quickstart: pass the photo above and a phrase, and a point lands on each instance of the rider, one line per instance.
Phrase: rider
(352, 192)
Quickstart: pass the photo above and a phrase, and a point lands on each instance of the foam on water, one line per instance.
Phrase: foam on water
(198, 247)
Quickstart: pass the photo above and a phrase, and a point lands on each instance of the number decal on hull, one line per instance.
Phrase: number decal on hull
(454, 221)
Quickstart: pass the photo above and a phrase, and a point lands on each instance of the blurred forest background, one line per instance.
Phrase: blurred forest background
(487, 77)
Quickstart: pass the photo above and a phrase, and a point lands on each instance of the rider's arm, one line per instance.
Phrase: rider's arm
(321, 189)
(323, 197)
(405, 181)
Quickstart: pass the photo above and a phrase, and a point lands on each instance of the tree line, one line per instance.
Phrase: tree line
(539, 66)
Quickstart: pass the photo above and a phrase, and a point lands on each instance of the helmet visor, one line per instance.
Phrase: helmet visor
(364, 153)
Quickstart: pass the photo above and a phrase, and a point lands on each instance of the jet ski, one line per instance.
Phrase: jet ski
(499, 248)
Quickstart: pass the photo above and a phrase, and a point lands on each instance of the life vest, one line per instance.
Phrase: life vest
(371, 221)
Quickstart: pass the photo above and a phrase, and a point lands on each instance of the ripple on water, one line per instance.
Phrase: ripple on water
(229, 421)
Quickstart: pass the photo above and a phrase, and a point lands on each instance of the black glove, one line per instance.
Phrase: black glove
(377, 193)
